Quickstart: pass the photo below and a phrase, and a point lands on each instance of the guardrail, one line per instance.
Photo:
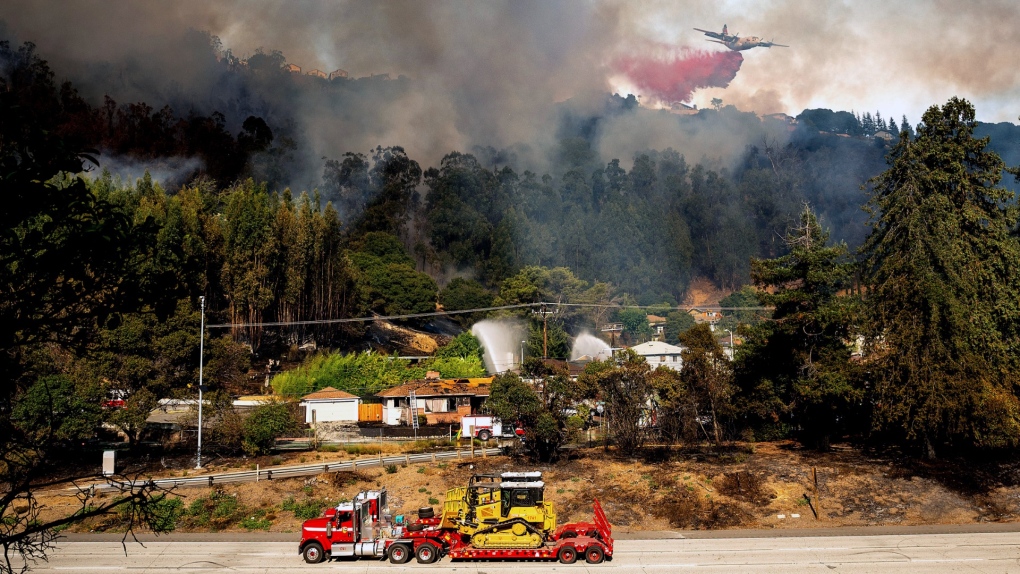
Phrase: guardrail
(303, 470)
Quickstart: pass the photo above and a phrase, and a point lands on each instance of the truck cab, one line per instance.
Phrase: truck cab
(361, 527)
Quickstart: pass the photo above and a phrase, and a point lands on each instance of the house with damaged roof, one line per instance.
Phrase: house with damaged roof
(441, 401)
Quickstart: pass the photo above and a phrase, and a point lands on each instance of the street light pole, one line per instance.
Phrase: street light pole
(522, 355)
(732, 353)
(201, 352)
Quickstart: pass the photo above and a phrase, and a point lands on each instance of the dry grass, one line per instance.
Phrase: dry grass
(746, 486)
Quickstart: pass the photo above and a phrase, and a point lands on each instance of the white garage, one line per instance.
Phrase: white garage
(330, 405)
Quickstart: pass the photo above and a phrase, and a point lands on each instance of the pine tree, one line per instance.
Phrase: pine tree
(795, 367)
(906, 127)
(944, 305)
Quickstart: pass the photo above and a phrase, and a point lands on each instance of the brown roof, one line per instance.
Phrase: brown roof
(328, 393)
(440, 388)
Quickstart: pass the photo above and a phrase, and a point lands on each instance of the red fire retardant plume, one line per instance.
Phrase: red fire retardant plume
(674, 78)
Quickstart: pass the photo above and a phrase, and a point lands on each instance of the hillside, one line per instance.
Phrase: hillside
(747, 485)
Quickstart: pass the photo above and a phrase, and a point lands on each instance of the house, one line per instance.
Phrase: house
(658, 325)
(338, 73)
(329, 405)
(442, 401)
(710, 316)
(317, 73)
(657, 354)
(293, 68)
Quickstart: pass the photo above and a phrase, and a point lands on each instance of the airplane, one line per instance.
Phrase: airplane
(736, 43)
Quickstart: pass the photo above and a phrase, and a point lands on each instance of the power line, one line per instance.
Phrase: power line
(476, 310)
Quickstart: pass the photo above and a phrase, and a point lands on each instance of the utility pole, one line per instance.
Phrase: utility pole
(545, 312)
(201, 352)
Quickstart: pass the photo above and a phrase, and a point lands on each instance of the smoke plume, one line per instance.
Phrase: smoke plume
(674, 77)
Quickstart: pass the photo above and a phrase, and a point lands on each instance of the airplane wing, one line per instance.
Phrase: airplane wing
(774, 45)
(710, 34)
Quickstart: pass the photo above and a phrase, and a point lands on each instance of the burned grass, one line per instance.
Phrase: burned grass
(747, 485)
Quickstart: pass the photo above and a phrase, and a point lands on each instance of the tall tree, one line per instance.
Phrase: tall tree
(67, 267)
(797, 363)
(942, 290)
(707, 376)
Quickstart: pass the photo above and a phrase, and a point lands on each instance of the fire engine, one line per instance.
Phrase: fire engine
(496, 517)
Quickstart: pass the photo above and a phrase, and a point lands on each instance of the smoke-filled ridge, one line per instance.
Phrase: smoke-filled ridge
(675, 76)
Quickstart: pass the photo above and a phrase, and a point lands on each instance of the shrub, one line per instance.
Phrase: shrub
(217, 511)
(265, 424)
(362, 449)
(256, 521)
(311, 508)
(166, 511)
(390, 469)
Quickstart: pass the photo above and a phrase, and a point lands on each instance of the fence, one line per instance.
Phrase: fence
(370, 413)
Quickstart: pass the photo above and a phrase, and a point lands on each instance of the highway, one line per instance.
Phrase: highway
(970, 552)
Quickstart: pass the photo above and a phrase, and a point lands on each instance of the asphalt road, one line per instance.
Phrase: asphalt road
(970, 552)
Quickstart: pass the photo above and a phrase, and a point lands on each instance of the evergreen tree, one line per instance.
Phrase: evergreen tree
(941, 288)
(906, 127)
(794, 367)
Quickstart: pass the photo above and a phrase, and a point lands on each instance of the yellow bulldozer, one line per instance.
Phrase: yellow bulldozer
(501, 511)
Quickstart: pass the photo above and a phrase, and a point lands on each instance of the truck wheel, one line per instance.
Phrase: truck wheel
(567, 555)
(415, 527)
(484, 435)
(426, 553)
(426, 512)
(568, 534)
(313, 553)
(399, 554)
(593, 555)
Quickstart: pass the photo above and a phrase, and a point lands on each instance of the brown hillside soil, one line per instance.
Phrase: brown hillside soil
(741, 486)
(702, 291)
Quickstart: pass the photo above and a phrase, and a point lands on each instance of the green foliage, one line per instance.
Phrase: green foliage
(166, 512)
(677, 323)
(624, 384)
(388, 280)
(745, 297)
(943, 295)
(512, 400)
(457, 367)
(462, 293)
(635, 324)
(707, 377)
(361, 374)
(56, 410)
(463, 346)
(558, 340)
(798, 363)
(310, 508)
(264, 425)
(257, 521)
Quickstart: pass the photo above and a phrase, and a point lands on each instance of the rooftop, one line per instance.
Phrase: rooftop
(441, 387)
(328, 393)
(656, 348)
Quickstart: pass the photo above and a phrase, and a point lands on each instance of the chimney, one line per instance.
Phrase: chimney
(432, 376)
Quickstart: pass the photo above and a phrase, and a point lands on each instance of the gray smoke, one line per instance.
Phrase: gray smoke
(501, 73)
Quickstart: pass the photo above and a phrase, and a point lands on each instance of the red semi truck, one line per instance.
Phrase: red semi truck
(363, 527)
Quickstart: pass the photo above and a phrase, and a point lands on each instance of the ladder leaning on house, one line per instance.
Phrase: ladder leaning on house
(412, 412)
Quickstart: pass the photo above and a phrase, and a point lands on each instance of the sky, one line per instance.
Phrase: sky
(895, 56)
(486, 73)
